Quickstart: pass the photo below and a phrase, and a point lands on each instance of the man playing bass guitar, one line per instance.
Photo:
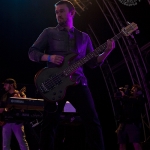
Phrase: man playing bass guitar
(57, 46)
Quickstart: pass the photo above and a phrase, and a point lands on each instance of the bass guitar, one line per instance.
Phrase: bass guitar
(53, 82)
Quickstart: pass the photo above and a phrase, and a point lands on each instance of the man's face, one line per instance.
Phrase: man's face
(63, 15)
(7, 86)
(134, 91)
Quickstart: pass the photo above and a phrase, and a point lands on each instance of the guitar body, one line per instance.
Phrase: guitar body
(55, 81)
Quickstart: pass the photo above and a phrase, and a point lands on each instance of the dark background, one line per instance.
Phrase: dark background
(21, 22)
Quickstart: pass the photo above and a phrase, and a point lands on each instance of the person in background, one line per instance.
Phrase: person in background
(53, 46)
(10, 86)
(129, 106)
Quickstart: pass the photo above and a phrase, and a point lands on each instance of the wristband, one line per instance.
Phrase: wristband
(49, 58)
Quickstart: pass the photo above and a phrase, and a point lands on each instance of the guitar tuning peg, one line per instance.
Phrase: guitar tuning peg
(128, 23)
(137, 31)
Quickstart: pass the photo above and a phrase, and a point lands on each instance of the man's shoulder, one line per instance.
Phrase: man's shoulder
(82, 32)
(50, 29)
(4, 96)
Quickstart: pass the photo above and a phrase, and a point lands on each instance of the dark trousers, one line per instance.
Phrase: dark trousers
(80, 97)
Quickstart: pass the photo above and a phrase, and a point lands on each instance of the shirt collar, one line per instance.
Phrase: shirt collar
(63, 29)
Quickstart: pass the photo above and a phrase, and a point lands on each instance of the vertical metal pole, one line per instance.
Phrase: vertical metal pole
(117, 41)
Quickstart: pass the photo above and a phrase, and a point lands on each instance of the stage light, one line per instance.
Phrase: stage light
(81, 5)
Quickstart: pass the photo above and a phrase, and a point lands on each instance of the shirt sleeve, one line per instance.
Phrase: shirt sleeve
(93, 62)
(36, 51)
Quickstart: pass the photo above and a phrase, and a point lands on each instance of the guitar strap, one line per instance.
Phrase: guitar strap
(78, 39)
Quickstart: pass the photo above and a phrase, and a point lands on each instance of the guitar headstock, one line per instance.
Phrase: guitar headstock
(128, 30)
(23, 90)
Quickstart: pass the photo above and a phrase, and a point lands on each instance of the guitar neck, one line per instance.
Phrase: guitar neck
(89, 56)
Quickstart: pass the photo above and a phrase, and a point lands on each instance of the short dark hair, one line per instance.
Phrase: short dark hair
(11, 81)
(68, 3)
(137, 86)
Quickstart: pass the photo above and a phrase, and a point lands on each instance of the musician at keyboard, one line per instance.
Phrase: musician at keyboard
(10, 86)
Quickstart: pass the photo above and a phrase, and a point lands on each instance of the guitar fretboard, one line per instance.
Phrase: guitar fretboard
(95, 53)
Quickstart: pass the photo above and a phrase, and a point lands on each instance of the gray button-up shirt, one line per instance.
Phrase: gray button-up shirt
(58, 41)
